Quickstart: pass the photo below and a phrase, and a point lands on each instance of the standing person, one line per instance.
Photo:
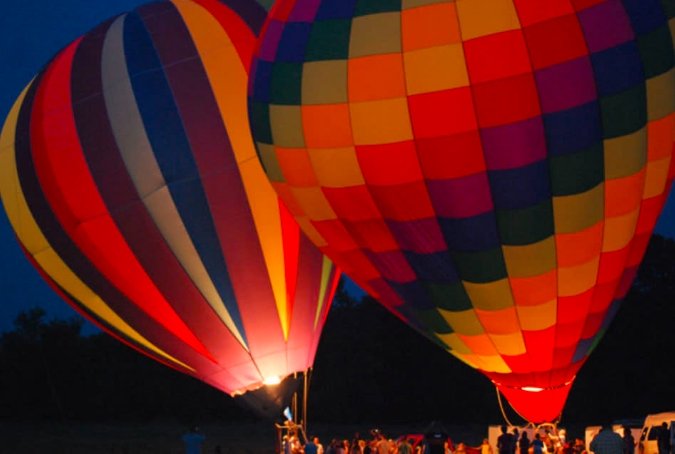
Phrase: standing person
(663, 440)
(607, 442)
(339, 447)
(296, 446)
(286, 444)
(356, 443)
(537, 444)
(628, 441)
(514, 441)
(562, 439)
(311, 447)
(193, 441)
(383, 445)
(548, 443)
(505, 442)
(485, 447)
(434, 442)
(579, 446)
(524, 444)
(404, 447)
(319, 446)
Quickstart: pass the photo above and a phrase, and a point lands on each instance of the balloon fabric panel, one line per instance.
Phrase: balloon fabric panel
(490, 171)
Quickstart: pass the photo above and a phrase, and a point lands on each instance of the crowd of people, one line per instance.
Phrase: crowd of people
(438, 442)
(378, 443)
(542, 443)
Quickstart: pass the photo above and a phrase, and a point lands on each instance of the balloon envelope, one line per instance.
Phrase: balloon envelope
(491, 171)
(130, 179)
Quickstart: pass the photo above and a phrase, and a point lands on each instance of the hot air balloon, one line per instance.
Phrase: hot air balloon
(490, 171)
(129, 177)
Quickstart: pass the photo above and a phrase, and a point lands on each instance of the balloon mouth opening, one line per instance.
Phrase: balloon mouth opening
(535, 389)
(269, 381)
(532, 389)
(536, 403)
(272, 380)
(269, 397)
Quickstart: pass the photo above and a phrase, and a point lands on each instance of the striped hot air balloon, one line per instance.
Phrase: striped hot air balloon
(490, 170)
(129, 176)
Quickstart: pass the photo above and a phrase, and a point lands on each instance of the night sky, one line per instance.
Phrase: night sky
(32, 32)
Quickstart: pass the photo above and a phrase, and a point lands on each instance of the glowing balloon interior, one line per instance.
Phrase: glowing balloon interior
(130, 179)
(491, 171)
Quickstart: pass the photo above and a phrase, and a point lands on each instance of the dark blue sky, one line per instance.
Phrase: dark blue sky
(32, 32)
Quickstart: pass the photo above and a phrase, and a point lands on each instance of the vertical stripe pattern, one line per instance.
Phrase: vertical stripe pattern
(128, 179)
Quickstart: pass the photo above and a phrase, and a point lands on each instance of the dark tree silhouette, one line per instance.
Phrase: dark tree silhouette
(631, 372)
(370, 367)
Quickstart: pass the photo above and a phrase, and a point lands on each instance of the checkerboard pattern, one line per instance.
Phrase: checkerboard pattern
(490, 171)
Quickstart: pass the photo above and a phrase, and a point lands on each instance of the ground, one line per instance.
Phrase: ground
(164, 437)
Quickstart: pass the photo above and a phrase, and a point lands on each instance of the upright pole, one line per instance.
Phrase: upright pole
(294, 405)
(305, 393)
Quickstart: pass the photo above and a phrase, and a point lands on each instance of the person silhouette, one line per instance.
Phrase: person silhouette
(193, 441)
(505, 442)
(524, 444)
(628, 441)
(663, 439)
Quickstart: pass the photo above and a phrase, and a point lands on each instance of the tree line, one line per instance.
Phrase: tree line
(370, 367)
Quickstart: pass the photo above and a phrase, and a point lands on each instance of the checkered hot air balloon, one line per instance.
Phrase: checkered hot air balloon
(128, 173)
(489, 170)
